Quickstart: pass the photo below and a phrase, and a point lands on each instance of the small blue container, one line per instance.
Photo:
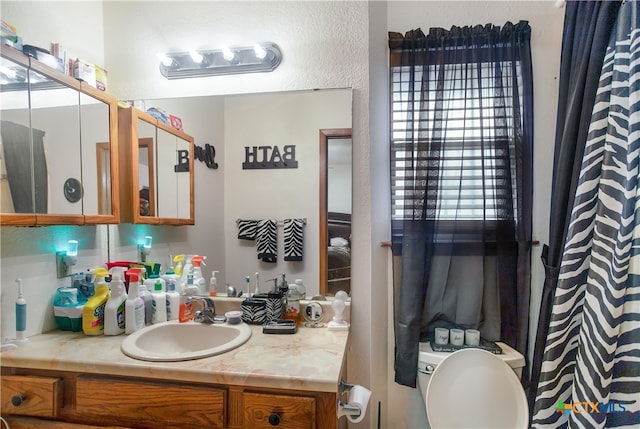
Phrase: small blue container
(67, 309)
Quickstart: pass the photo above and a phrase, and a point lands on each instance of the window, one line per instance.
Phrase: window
(451, 124)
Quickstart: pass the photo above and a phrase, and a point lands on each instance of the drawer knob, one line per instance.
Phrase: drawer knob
(17, 400)
(274, 419)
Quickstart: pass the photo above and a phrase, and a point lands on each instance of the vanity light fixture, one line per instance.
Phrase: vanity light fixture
(263, 57)
(66, 259)
(145, 248)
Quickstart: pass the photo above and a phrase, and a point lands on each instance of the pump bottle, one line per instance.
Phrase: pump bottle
(213, 283)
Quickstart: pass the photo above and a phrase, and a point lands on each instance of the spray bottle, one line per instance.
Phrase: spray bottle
(198, 278)
(134, 305)
(93, 311)
(178, 264)
(114, 310)
(21, 314)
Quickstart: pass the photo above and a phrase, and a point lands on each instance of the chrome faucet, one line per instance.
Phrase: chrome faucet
(208, 313)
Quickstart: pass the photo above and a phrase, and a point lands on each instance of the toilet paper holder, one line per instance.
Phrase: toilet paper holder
(344, 386)
(344, 408)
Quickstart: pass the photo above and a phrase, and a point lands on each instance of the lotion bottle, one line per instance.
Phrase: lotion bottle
(114, 319)
(93, 311)
(159, 304)
(134, 305)
(213, 283)
(173, 301)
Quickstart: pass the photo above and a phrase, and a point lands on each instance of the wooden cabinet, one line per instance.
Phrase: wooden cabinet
(157, 170)
(31, 395)
(139, 403)
(263, 410)
(54, 130)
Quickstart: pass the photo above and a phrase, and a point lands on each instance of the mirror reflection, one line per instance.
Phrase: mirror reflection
(264, 129)
(338, 194)
(49, 120)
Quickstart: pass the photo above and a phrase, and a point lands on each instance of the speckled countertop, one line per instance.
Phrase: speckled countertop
(310, 360)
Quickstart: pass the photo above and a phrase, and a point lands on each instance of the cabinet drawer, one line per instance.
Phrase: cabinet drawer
(31, 395)
(269, 411)
(150, 404)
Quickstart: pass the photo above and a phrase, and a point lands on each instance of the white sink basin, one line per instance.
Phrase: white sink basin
(174, 341)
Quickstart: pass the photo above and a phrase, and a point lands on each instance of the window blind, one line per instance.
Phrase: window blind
(450, 126)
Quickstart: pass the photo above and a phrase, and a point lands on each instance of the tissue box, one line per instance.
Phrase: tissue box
(101, 78)
(84, 71)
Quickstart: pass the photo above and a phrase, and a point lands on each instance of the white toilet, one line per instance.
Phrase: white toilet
(473, 388)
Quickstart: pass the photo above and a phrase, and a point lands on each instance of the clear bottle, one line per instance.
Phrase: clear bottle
(293, 305)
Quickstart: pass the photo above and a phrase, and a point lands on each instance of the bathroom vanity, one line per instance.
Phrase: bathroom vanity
(288, 381)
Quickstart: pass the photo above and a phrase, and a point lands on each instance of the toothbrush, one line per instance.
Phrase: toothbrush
(247, 280)
(21, 314)
(257, 291)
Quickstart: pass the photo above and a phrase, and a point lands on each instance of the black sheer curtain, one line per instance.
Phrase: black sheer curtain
(587, 28)
(461, 167)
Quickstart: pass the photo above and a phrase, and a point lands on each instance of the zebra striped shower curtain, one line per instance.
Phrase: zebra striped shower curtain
(590, 375)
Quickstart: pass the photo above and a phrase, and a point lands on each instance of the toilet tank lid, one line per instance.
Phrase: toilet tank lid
(511, 356)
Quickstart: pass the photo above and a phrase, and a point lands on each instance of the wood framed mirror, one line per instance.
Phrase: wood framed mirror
(335, 210)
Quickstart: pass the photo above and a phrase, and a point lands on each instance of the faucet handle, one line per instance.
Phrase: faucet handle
(206, 315)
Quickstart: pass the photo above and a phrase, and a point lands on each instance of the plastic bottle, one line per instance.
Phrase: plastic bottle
(173, 301)
(114, 310)
(198, 278)
(134, 305)
(150, 282)
(21, 314)
(159, 304)
(187, 268)
(145, 294)
(93, 311)
(178, 265)
(213, 284)
(293, 304)
(190, 289)
(170, 276)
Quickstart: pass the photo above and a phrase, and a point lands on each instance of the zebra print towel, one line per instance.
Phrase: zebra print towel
(247, 229)
(267, 240)
(293, 239)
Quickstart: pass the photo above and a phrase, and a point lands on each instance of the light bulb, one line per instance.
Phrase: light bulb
(196, 57)
(227, 54)
(165, 59)
(259, 51)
